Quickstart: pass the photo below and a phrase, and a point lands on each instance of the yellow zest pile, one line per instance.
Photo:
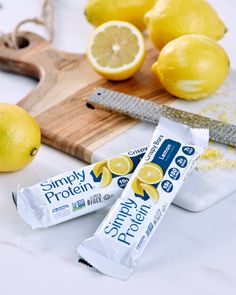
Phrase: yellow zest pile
(213, 158)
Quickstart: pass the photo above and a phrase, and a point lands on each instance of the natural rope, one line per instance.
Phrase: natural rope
(46, 19)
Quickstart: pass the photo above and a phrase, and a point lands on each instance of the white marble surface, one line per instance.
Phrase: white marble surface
(190, 253)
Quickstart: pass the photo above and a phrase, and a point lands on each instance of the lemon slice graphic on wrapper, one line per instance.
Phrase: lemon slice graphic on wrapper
(121, 165)
(106, 177)
(150, 173)
(151, 191)
(97, 170)
(137, 188)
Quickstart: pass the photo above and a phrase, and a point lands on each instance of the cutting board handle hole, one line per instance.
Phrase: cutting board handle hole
(21, 41)
(90, 106)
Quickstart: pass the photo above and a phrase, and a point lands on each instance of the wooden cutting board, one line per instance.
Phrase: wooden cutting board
(65, 79)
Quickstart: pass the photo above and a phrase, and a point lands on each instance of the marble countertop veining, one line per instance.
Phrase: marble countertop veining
(191, 253)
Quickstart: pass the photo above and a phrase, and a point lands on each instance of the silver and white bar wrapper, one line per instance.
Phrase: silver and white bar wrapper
(116, 246)
(73, 193)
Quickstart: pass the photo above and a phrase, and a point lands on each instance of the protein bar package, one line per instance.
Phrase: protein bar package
(75, 193)
(118, 243)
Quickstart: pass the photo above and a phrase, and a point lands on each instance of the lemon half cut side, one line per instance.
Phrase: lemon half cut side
(116, 50)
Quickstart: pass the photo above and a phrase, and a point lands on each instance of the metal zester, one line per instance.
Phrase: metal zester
(151, 112)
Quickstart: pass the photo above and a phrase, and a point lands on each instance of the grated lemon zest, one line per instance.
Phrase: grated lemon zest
(211, 153)
(213, 158)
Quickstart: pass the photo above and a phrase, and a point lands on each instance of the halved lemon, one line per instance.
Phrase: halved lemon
(116, 50)
(97, 170)
(120, 165)
(106, 177)
(150, 173)
(151, 191)
(137, 188)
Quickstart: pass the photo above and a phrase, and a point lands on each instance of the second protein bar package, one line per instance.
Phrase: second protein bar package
(78, 192)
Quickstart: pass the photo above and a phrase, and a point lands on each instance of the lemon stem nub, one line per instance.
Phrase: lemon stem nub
(34, 152)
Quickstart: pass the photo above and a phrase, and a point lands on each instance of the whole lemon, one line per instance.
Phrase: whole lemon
(192, 66)
(170, 19)
(19, 138)
(100, 11)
